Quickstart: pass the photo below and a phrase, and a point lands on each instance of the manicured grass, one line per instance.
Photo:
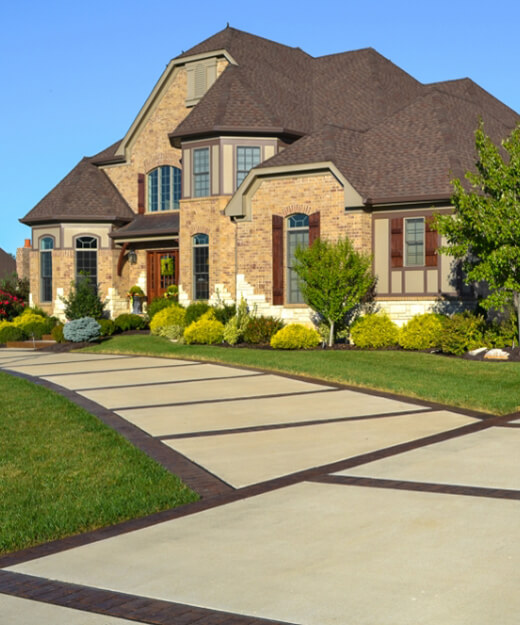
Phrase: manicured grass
(63, 472)
(488, 387)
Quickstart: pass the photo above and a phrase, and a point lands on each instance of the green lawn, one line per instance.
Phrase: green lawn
(489, 387)
(63, 472)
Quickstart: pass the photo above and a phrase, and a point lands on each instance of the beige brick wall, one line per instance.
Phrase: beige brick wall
(285, 196)
(206, 216)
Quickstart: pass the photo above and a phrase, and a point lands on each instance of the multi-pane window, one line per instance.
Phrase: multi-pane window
(46, 247)
(414, 242)
(247, 158)
(164, 188)
(201, 266)
(297, 236)
(86, 259)
(201, 172)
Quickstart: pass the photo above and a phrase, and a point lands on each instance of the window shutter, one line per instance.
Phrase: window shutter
(140, 194)
(431, 243)
(277, 260)
(314, 227)
(396, 225)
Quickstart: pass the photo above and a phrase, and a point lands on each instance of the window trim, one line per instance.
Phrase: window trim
(174, 189)
(290, 273)
(406, 243)
(198, 245)
(245, 171)
(199, 175)
(46, 252)
(95, 249)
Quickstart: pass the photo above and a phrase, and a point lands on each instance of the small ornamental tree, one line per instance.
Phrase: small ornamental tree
(484, 230)
(334, 279)
(83, 300)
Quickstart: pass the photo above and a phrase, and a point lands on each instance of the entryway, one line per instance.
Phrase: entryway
(162, 271)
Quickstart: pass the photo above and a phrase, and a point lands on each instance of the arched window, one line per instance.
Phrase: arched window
(297, 235)
(164, 189)
(201, 266)
(86, 259)
(46, 247)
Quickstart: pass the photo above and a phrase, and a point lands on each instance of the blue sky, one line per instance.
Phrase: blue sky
(75, 74)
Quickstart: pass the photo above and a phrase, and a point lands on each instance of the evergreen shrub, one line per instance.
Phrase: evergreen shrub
(158, 304)
(374, 331)
(422, 332)
(108, 327)
(463, 332)
(79, 330)
(83, 300)
(204, 331)
(224, 312)
(195, 310)
(259, 330)
(129, 321)
(10, 332)
(57, 333)
(296, 336)
(32, 325)
(169, 322)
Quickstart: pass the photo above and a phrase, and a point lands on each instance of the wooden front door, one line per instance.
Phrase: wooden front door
(163, 271)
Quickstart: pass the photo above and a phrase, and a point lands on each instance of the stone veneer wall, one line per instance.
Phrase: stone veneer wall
(206, 216)
(401, 311)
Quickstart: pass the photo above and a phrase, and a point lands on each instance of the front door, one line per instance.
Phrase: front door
(163, 271)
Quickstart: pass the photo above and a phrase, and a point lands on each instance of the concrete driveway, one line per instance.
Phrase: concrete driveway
(321, 505)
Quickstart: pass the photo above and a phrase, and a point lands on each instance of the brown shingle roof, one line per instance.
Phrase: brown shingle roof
(85, 194)
(155, 224)
(7, 264)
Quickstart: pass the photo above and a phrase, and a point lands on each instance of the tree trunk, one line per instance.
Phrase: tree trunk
(331, 333)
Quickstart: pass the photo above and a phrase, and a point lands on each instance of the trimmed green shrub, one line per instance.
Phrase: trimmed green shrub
(296, 336)
(259, 330)
(158, 304)
(129, 321)
(35, 310)
(169, 322)
(108, 327)
(462, 332)
(195, 311)
(32, 325)
(500, 335)
(205, 332)
(235, 327)
(374, 331)
(10, 332)
(422, 332)
(79, 330)
(225, 312)
(83, 300)
(57, 333)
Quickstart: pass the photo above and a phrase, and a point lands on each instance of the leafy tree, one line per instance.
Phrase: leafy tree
(484, 230)
(83, 300)
(334, 279)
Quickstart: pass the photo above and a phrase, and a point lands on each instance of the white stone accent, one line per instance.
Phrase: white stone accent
(401, 311)
(184, 298)
(117, 305)
(221, 296)
(59, 306)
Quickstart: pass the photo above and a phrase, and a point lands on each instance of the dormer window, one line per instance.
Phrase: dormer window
(164, 189)
(200, 76)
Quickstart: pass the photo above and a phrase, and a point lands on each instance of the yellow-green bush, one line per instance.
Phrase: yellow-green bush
(169, 322)
(296, 336)
(374, 330)
(422, 332)
(205, 332)
(31, 324)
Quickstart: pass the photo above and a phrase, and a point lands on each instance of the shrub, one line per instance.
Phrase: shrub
(374, 331)
(195, 311)
(35, 310)
(296, 336)
(79, 330)
(129, 321)
(10, 305)
(14, 285)
(259, 330)
(204, 331)
(235, 327)
(10, 332)
(108, 327)
(158, 304)
(169, 322)
(225, 312)
(135, 290)
(462, 332)
(422, 332)
(172, 293)
(500, 335)
(83, 300)
(57, 333)
(32, 325)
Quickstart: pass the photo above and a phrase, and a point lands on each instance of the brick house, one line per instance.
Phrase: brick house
(247, 148)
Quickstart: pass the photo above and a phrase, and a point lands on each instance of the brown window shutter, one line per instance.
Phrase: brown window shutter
(396, 226)
(431, 243)
(277, 260)
(314, 227)
(140, 194)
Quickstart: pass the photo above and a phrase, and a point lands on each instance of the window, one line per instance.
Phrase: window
(164, 188)
(247, 158)
(46, 247)
(414, 242)
(201, 266)
(86, 259)
(201, 172)
(297, 235)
